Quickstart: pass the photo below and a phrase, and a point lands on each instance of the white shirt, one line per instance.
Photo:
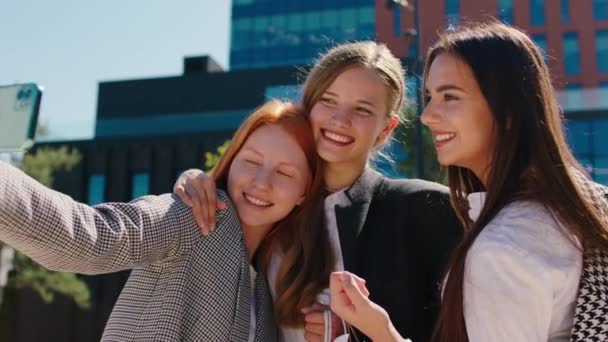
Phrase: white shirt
(252, 319)
(339, 197)
(521, 276)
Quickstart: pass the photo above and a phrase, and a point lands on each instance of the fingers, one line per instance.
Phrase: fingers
(314, 324)
(178, 189)
(198, 214)
(210, 205)
(315, 307)
(312, 337)
(353, 291)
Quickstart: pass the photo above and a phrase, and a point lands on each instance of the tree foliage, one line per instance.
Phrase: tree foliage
(406, 133)
(211, 158)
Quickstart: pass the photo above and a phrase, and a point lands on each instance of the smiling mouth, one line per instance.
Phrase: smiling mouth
(257, 201)
(443, 138)
(337, 138)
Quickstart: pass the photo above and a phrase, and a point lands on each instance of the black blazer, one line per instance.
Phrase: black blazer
(398, 235)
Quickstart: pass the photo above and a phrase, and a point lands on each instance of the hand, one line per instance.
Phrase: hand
(349, 300)
(197, 190)
(314, 328)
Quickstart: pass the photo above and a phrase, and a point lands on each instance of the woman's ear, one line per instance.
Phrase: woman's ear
(392, 122)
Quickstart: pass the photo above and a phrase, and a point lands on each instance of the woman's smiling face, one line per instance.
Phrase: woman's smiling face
(351, 117)
(458, 115)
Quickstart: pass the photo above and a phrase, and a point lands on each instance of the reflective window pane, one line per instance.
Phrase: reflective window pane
(96, 189)
(572, 62)
(601, 45)
(140, 185)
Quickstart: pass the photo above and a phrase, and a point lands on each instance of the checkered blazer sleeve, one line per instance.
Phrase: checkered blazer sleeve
(64, 235)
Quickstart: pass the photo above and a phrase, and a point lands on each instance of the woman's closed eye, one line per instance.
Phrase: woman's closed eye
(450, 97)
(364, 111)
(328, 101)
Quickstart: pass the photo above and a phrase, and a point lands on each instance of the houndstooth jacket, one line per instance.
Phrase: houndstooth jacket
(591, 313)
(183, 287)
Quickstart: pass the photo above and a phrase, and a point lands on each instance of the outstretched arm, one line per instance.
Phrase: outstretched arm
(64, 235)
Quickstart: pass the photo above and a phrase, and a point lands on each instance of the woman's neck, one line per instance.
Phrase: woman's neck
(253, 237)
(340, 176)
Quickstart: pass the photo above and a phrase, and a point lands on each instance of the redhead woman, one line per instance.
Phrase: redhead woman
(184, 286)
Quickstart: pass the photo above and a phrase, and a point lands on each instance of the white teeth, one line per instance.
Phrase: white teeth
(257, 201)
(444, 137)
(337, 137)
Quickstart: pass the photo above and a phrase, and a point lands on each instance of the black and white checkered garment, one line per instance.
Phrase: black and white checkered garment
(591, 313)
(184, 286)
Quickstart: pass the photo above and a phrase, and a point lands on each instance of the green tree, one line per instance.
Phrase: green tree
(406, 134)
(26, 273)
(211, 158)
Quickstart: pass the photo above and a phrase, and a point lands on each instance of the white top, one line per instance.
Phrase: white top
(339, 197)
(252, 319)
(521, 276)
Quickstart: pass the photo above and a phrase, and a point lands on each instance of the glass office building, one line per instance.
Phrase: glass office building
(586, 126)
(269, 33)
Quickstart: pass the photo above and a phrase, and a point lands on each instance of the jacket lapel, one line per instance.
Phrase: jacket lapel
(351, 218)
(265, 326)
(240, 328)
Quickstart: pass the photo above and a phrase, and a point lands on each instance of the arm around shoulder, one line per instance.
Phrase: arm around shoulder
(62, 234)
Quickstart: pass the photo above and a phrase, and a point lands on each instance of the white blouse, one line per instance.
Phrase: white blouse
(521, 276)
(337, 198)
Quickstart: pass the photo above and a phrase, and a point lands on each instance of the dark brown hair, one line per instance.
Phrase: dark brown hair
(530, 159)
(307, 261)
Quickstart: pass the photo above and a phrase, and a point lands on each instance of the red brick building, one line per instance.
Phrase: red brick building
(574, 33)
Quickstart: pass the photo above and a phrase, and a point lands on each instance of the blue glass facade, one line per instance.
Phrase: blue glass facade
(96, 189)
(290, 32)
(572, 59)
(588, 140)
(397, 21)
(140, 184)
(537, 12)
(601, 46)
(541, 41)
(600, 9)
(452, 12)
(565, 11)
(505, 11)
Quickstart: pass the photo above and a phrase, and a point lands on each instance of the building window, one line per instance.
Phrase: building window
(452, 12)
(565, 11)
(397, 21)
(600, 9)
(574, 86)
(541, 41)
(572, 60)
(537, 12)
(96, 189)
(283, 92)
(505, 11)
(600, 153)
(140, 184)
(601, 46)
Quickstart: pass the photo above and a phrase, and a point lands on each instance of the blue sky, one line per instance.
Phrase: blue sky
(69, 46)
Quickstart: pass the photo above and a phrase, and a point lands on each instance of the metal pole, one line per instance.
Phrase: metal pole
(6, 265)
(418, 74)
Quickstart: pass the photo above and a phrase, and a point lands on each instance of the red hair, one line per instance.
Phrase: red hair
(301, 236)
